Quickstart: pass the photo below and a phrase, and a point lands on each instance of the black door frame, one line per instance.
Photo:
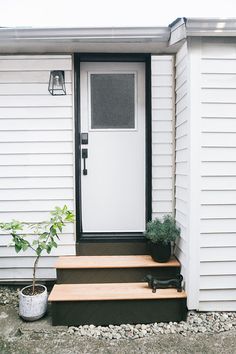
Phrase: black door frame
(111, 57)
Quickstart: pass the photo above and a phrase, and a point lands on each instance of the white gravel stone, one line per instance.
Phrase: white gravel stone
(197, 322)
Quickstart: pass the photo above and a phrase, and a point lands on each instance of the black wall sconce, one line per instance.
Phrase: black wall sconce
(56, 85)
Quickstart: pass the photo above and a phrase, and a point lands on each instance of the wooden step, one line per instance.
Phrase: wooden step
(110, 291)
(103, 304)
(140, 261)
(112, 269)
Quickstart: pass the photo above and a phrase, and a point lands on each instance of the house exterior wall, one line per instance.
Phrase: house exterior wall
(162, 134)
(182, 157)
(218, 174)
(37, 151)
(36, 155)
(37, 160)
(205, 171)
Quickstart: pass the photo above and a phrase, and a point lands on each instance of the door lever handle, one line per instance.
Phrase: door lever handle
(84, 157)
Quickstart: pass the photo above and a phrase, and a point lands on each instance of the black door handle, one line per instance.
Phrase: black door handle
(84, 157)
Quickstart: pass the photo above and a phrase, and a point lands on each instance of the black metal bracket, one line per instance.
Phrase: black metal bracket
(155, 284)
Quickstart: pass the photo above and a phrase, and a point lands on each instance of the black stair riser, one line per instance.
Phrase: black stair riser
(111, 248)
(113, 275)
(75, 313)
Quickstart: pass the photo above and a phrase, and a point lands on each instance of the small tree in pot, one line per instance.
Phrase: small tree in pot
(160, 234)
(33, 298)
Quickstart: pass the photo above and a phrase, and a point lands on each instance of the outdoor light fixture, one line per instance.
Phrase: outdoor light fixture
(56, 85)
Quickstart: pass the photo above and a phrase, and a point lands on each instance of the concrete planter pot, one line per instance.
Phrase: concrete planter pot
(33, 307)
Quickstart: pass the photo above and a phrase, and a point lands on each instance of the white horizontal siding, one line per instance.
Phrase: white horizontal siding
(215, 254)
(218, 182)
(218, 176)
(66, 238)
(9, 251)
(162, 135)
(36, 155)
(36, 136)
(215, 282)
(37, 194)
(25, 274)
(36, 171)
(217, 295)
(31, 76)
(36, 159)
(218, 210)
(34, 112)
(212, 305)
(47, 124)
(26, 89)
(218, 240)
(37, 147)
(34, 63)
(181, 157)
(36, 183)
(35, 101)
(218, 154)
(221, 268)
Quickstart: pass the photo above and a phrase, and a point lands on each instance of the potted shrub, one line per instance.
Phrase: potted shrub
(160, 234)
(33, 298)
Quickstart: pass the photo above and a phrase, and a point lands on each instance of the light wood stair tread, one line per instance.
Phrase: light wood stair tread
(86, 262)
(111, 291)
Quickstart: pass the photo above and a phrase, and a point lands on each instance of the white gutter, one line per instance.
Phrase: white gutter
(114, 33)
(202, 27)
(33, 40)
(211, 27)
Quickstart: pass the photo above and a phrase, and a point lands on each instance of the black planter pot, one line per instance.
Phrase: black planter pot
(160, 252)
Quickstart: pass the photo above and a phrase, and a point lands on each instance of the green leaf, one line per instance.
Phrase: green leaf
(49, 248)
(54, 244)
(60, 225)
(17, 248)
(162, 230)
(43, 245)
(45, 232)
(43, 236)
(25, 246)
(53, 230)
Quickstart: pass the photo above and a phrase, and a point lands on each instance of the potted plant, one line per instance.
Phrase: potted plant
(33, 298)
(160, 234)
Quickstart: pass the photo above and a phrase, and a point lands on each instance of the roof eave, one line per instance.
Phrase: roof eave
(39, 39)
(199, 27)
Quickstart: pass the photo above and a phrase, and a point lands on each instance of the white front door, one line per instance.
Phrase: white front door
(113, 174)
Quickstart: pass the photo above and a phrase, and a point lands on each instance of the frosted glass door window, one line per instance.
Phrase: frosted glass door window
(112, 101)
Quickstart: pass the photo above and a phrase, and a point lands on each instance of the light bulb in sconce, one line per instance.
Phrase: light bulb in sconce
(56, 80)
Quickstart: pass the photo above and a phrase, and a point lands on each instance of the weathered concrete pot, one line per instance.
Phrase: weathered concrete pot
(33, 307)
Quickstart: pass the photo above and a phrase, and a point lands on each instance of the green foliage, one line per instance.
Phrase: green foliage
(162, 230)
(45, 234)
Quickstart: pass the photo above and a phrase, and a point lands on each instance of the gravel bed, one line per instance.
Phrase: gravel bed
(9, 295)
(197, 322)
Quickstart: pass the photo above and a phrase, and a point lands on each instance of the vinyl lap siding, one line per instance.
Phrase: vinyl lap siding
(182, 157)
(36, 155)
(218, 176)
(162, 138)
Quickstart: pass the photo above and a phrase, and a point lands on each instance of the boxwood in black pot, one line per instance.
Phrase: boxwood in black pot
(160, 234)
